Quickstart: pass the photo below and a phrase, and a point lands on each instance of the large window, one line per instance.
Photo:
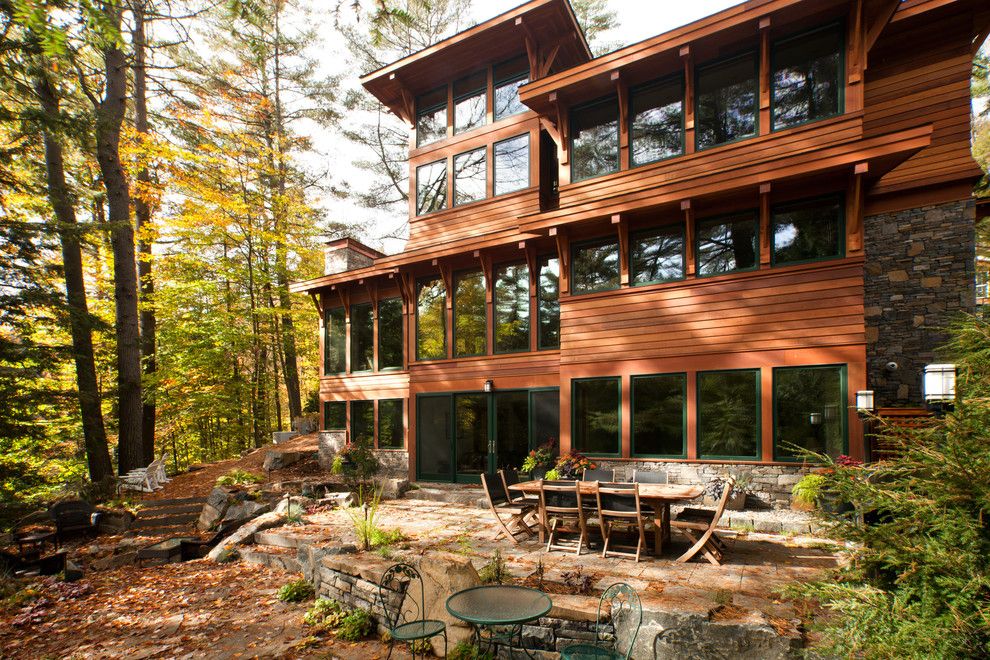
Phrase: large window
(470, 176)
(807, 77)
(809, 411)
(727, 244)
(509, 77)
(362, 337)
(656, 116)
(595, 139)
(659, 415)
(511, 308)
(434, 450)
(335, 341)
(334, 416)
(391, 433)
(595, 423)
(548, 303)
(727, 101)
(470, 327)
(363, 422)
(511, 164)
(657, 255)
(595, 265)
(431, 187)
(729, 414)
(470, 102)
(808, 231)
(545, 414)
(390, 333)
(431, 320)
(431, 116)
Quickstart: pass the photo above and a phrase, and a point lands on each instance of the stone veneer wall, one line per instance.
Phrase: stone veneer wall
(395, 463)
(920, 271)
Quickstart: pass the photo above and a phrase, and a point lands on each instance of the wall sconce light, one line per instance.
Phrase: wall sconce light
(816, 418)
(864, 401)
(489, 386)
(939, 386)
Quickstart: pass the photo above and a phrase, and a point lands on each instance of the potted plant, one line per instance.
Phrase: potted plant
(540, 460)
(806, 493)
(737, 498)
(570, 466)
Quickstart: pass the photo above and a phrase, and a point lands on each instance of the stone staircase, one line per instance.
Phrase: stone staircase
(168, 516)
(468, 495)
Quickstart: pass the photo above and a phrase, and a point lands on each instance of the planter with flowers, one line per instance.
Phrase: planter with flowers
(570, 466)
(540, 460)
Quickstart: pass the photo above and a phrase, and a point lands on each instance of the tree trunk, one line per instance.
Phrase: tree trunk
(80, 323)
(142, 213)
(109, 117)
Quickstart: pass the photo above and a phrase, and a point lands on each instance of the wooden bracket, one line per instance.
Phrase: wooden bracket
(622, 224)
(560, 116)
(883, 16)
(622, 94)
(563, 255)
(533, 266)
(486, 270)
(854, 209)
(345, 300)
(317, 299)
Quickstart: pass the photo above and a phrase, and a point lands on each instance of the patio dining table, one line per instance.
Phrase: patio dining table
(658, 497)
(499, 606)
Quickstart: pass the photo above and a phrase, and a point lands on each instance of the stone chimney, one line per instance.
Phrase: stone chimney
(346, 254)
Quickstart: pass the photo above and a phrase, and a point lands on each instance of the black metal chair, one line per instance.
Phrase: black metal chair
(510, 478)
(649, 477)
(598, 474)
(74, 517)
(404, 616)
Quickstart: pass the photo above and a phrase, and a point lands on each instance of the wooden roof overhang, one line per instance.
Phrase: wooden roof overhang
(547, 25)
(874, 156)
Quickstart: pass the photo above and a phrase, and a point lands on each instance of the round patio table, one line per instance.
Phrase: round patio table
(501, 610)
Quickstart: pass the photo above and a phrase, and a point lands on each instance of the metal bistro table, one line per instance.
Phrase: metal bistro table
(492, 607)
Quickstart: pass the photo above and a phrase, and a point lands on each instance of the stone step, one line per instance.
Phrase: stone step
(282, 559)
(466, 496)
(174, 501)
(165, 521)
(169, 509)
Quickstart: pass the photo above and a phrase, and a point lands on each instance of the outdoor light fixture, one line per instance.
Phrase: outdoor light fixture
(939, 385)
(815, 418)
(864, 401)
(489, 386)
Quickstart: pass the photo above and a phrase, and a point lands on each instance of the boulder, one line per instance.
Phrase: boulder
(392, 489)
(214, 510)
(246, 532)
(444, 574)
(244, 511)
(340, 500)
(114, 561)
(115, 521)
(296, 502)
(277, 460)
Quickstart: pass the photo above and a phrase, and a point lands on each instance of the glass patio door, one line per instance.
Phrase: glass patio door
(472, 426)
(511, 429)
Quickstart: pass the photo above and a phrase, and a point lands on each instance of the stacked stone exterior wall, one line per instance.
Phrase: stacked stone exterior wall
(394, 462)
(920, 272)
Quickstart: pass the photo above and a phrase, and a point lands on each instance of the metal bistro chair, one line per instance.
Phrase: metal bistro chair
(404, 615)
(623, 602)
(620, 510)
(499, 504)
(561, 511)
(599, 474)
(649, 477)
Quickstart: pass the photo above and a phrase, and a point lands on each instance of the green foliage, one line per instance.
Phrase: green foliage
(357, 463)
(595, 19)
(808, 491)
(917, 583)
(295, 591)
(239, 478)
(552, 475)
(544, 456)
(495, 571)
(466, 650)
(364, 518)
(355, 625)
(324, 613)
(294, 515)
(228, 556)
(571, 465)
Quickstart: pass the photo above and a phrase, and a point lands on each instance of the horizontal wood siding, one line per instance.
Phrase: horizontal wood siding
(384, 385)
(521, 370)
(769, 310)
(473, 221)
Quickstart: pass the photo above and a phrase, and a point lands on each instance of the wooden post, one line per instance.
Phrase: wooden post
(764, 225)
(855, 56)
(622, 94)
(375, 330)
(764, 127)
(685, 53)
(688, 237)
(487, 271)
(448, 284)
(854, 210)
(564, 258)
(533, 265)
(621, 223)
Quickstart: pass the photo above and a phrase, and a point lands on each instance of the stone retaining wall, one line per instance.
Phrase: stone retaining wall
(395, 462)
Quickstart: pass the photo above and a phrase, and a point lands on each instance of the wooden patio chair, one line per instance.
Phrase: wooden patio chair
(599, 474)
(511, 477)
(698, 525)
(510, 516)
(561, 511)
(649, 477)
(619, 511)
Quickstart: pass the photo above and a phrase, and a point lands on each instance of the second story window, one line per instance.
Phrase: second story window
(595, 266)
(470, 102)
(431, 116)
(390, 333)
(727, 244)
(509, 77)
(807, 231)
(431, 187)
(470, 317)
(470, 176)
(431, 320)
(362, 337)
(511, 308)
(807, 77)
(335, 341)
(548, 303)
(727, 101)
(595, 139)
(657, 121)
(511, 164)
(657, 255)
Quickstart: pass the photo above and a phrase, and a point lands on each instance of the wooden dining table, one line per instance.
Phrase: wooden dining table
(658, 497)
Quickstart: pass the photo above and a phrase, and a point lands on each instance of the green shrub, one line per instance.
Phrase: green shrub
(808, 491)
(355, 625)
(465, 650)
(324, 613)
(239, 478)
(420, 647)
(494, 572)
(295, 591)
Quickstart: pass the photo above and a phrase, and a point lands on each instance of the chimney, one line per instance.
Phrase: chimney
(346, 254)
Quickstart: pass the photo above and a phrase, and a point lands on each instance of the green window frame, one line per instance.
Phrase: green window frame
(431, 296)
(511, 308)
(470, 176)
(508, 77)
(548, 303)
(431, 187)
(594, 139)
(391, 424)
(391, 334)
(652, 255)
(795, 74)
(656, 121)
(727, 101)
(335, 341)
(710, 446)
(808, 226)
(581, 429)
(814, 415)
(645, 422)
(362, 337)
(595, 265)
(470, 102)
(431, 116)
(363, 422)
(334, 415)
(470, 314)
(511, 166)
(711, 244)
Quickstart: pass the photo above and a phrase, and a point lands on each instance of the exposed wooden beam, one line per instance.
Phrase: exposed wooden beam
(315, 297)
(884, 14)
(564, 257)
(686, 207)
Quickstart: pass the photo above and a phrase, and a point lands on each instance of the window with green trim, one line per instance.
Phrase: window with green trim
(657, 255)
(659, 415)
(511, 308)
(511, 164)
(363, 422)
(362, 337)
(431, 187)
(548, 303)
(335, 341)
(470, 176)
(334, 415)
(391, 429)
(729, 414)
(390, 333)
(595, 265)
(656, 119)
(728, 244)
(470, 100)
(595, 424)
(727, 105)
(470, 318)
(595, 139)
(431, 320)
(431, 116)
(508, 78)
(808, 231)
(806, 78)
(809, 411)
